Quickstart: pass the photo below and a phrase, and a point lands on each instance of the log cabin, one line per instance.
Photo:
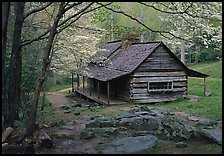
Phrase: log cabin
(127, 70)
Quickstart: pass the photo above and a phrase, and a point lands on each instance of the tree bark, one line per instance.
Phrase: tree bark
(15, 67)
(46, 61)
(5, 17)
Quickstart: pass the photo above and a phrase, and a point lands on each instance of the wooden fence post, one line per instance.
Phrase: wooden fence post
(108, 92)
(204, 87)
(98, 90)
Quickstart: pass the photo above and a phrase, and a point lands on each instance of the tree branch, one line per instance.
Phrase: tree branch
(138, 21)
(37, 10)
(81, 16)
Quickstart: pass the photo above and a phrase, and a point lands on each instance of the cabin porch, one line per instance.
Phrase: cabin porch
(98, 91)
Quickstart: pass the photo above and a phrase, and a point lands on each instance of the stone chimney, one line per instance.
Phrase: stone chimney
(127, 40)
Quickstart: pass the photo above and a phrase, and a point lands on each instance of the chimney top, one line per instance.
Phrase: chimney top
(128, 39)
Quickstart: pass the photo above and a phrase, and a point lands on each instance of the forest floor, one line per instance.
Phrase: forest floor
(67, 140)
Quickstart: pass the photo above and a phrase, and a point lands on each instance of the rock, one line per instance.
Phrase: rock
(77, 113)
(208, 94)
(87, 134)
(45, 126)
(193, 118)
(85, 105)
(46, 141)
(65, 107)
(160, 112)
(144, 108)
(130, 145)
(141, 133)
(68, 127)
(125, 115)
(67, 111)
(181, 145)
(77, 105)
(141, 123)
(212, 134)
(105, 131)
(141, 113)
(205, 122)
(171, 127)
(102, 122)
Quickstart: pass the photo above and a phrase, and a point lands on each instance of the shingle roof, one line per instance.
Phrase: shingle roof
(123, 62)
(118, 62)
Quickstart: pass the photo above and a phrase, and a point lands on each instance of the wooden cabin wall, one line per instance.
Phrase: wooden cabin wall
(157, 67)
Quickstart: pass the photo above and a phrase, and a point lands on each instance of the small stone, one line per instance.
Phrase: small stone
(67, 111)
(78, 105)
(77, 113)
(192, 118)
(68, 127)
(208, 94)
(181, 145)
(45, 126)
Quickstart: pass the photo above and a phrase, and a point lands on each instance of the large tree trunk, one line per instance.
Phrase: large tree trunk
(46, 61)
(15, 67)
(5, 17)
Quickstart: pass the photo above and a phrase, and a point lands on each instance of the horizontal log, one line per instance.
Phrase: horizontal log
(158, 68)
(161, 66)
(145, 90)
(161, 62)
(164, 54)
(6, 133)
(139, 85)
(157, 59)
(159, 94)
(145, 69)
(159, 79)
(156, 74)
(154, 100)
(180, 84)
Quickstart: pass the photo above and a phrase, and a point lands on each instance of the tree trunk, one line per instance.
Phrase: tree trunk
(5, 17)
(46, 61)
(142, 20)
(112, 27)
(15, 67)
(182, 51)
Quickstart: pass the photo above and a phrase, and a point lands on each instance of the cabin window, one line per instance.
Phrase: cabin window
(160, 86)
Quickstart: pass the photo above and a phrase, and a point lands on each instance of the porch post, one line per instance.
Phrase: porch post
(187, 85)
(204, 86)
(98, 89)
(90, 86)
(83, 83)
(77, 81)
(72, 83)
(108, 92)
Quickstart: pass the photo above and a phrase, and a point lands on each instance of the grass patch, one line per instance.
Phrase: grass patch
(47, 115)
(210, 106)
(58, 87)
(214, 69)
(195, 148)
